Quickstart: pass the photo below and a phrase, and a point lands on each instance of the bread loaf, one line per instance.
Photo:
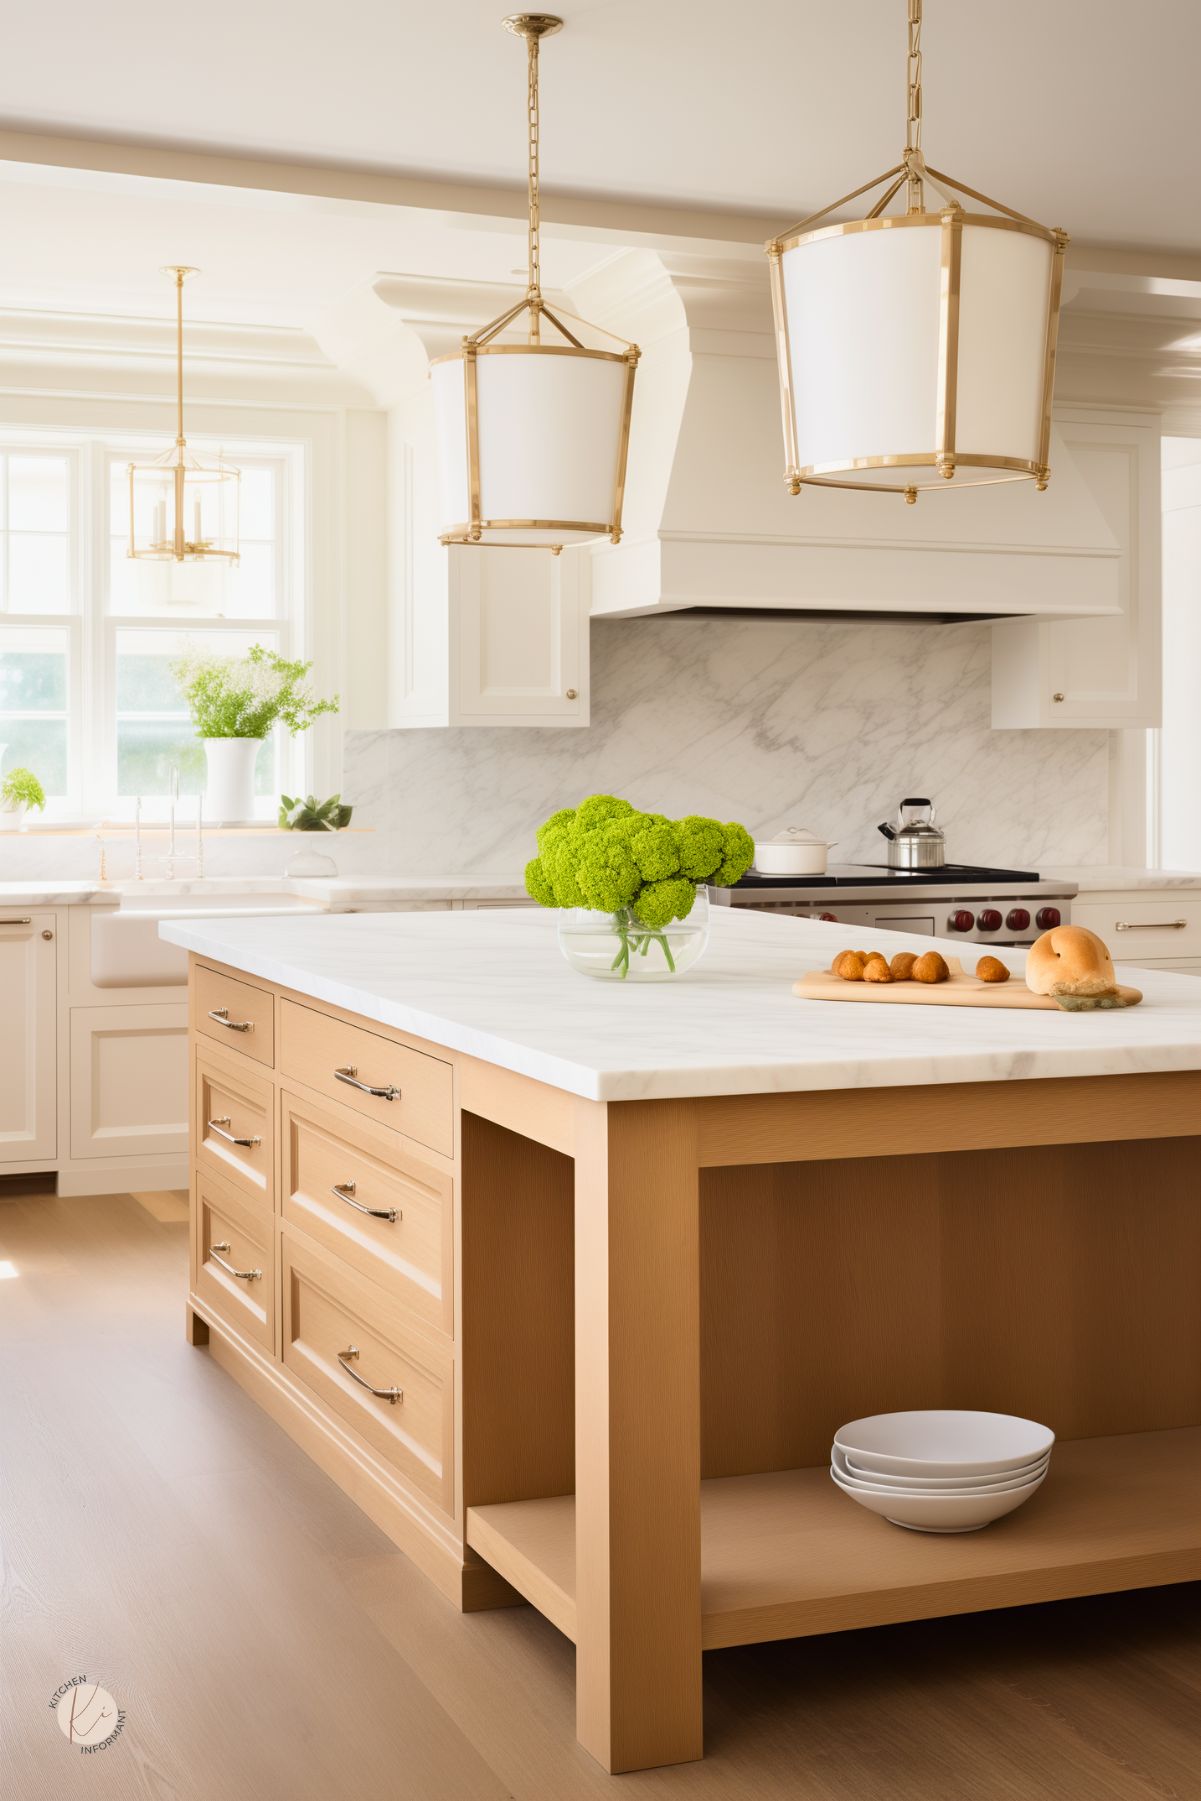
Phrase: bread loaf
(1070, 960)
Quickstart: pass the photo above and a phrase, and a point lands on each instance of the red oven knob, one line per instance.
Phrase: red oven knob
(961, 920)
(1047, 918)
(989, 920)
(1017, 919)
(832, 918)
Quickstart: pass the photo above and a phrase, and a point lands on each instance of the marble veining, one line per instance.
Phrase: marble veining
(771, 721)
(493, 985)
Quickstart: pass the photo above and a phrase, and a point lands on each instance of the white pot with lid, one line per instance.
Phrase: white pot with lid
(794, 851)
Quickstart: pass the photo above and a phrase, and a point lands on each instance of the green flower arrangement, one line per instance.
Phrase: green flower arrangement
(642, 868)
(243, 697)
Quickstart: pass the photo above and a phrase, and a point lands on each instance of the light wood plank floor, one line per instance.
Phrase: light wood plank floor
(159, 1535)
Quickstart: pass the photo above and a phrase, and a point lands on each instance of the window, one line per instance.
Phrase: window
(87, 636)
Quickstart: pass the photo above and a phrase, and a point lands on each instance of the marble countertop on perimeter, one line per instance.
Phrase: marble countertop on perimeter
(1105, 878)
(493, 984)
(56, 893)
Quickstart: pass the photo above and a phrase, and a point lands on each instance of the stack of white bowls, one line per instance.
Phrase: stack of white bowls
(941, 1470)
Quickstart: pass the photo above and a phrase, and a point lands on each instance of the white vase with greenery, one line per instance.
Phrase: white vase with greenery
(234, 703)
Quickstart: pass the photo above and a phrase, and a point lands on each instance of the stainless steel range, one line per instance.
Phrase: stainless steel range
(957, 900)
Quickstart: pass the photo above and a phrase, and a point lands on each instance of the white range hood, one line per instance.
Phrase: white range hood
(708, 522)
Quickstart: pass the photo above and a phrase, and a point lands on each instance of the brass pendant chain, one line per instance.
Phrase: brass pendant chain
(913, 114)
(534, 289)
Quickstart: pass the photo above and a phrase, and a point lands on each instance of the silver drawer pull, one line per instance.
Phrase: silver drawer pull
(243, 1275)
(1150, 925)
(26, 921)
(221, 1015)
(350, 1075)
(345, 1191)
(383, 1394)
(218, 1126)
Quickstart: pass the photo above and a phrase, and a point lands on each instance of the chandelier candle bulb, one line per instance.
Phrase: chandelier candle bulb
(916, 350)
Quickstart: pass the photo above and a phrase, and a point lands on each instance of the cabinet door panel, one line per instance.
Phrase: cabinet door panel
(518, 643)
(129, 1081)
(29, 1038)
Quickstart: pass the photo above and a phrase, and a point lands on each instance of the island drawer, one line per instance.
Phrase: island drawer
(382, 1208)
(1140, 926)
(233, 1262)
(236, 1015)
(353, 1350)
(387, 1082)
(234, 1132)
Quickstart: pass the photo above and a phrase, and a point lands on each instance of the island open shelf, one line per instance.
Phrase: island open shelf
(784, 1555)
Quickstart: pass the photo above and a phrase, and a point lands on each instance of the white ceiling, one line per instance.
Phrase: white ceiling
(1081, 112)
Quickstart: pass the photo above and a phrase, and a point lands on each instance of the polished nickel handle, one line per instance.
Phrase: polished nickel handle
(243, 1275)
(1150, 925)
(384, 1394)
(218, 1126)
(221, 1015)
(345, 1191)
(350, 1075)
(26, 921)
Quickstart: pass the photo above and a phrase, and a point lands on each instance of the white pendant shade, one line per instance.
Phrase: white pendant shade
(883, 383)
(551, 426)
(916, 350)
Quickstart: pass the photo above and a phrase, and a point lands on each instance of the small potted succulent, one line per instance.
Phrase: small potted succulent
(20, 791)
(234, 703)
(631, 886)
(312, 815)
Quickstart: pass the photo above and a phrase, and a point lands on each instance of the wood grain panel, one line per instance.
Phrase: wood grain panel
(968, 1116)
(518, 1317)
(249, 1028)
(1061, 1283)
(314, 1045)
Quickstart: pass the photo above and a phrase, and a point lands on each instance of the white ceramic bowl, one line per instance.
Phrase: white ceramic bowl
(846, 1466)
(939, 1513)
(943, 1441)
(791, 852)
(972, 1485)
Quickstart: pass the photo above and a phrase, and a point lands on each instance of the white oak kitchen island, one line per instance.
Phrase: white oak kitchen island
(569, 1283)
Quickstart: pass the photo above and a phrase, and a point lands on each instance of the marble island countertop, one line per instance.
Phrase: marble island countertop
(493, 985)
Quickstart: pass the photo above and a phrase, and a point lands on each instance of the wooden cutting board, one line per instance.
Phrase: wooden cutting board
(961, 990)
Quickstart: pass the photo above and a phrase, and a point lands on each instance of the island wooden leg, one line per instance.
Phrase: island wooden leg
(637, 1357)
(196, 1328)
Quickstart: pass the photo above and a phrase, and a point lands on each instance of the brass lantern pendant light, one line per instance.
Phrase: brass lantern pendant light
(182, 510)
(916, 350)
(532, 435)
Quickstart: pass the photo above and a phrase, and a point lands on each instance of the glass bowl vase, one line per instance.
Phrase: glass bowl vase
(617, 947)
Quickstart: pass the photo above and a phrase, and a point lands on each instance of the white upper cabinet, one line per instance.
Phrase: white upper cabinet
(492, 637)
(1103, 672)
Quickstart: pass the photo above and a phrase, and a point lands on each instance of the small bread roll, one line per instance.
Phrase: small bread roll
(850, 966)
(902, 966)
(991, 969)
(876, 969)
(1070, 960)
(931, 968)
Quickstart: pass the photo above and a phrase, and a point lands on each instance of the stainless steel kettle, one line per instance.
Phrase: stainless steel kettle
(914, 841)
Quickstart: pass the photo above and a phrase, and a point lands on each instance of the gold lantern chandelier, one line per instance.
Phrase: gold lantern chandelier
(533, 436)
(180, 509)
(916, 350)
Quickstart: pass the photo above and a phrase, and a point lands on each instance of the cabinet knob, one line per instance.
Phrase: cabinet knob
(47, 934)
(572, 694)
(1057, 697)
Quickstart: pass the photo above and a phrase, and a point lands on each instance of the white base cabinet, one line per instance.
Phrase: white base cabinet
(129, 1081)
(1151, 928)
(28, 1037)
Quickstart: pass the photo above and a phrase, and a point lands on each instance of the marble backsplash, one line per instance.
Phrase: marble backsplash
(771, 721)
